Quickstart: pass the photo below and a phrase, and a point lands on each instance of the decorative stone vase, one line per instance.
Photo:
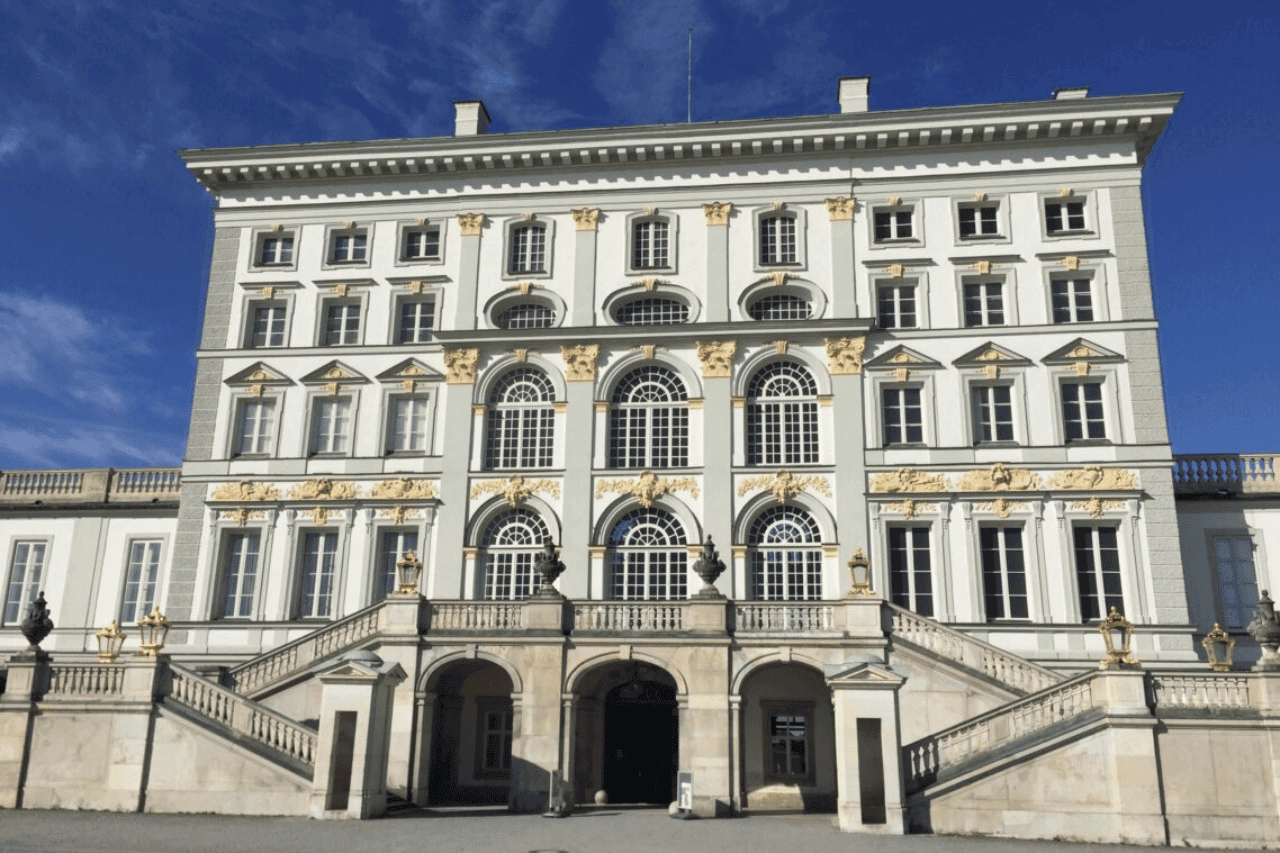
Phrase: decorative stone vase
(550, 567)
(709, 567)
(38, 623)
(1265, 628)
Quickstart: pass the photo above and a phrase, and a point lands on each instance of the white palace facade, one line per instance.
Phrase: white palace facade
(922, 341)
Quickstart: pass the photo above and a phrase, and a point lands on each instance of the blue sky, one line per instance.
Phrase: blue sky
(106, 238)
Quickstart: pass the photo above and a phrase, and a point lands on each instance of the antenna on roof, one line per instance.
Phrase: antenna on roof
(690, 117)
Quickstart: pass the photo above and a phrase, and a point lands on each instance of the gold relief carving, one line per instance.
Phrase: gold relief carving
(405, 488)
(1066, 191)
(415, 286)
(470, 224)
(716, 358)
(241, 515)
(1001, 507)
(335, 372)
(650, 282)
(651, 211)
(778, 277)
(786, 485)
(739, 551)
(399, 513)
(277, 228)
(1095, 506)
(902, 374)
(1071, 262)
(1081, 368)
(781, 347)
(412, 370)
(257, 390)
(717, 212)
(896, 270)
(738, 402)
(826, 401)
(1083, 351)
(320, 515)
(596, 552)
(979, 196)
(911, 507)
(844, 355)
(647, 487)
(895, 200)
(470, 553)
(909, 480)
(602, 405)
(268, 292)
(516, 489)
(904, 358)
(695, 403)
(840, 208)
(324, 489)
(245, 490)
(461, 365)
(479, 408)
(259, 375)
(521, 354)
(998, 479)
(992, 354)
(585, 218)
(523, 286)
(409, 385)
(528, 216)
(778, 205)
(1094, 477)
(983, 267)
(341, 289)
(560, 406)
(648, 350)
(581, 361)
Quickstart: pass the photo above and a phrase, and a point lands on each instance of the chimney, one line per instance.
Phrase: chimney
(471, 119)
(853, 94)
(1070, 93)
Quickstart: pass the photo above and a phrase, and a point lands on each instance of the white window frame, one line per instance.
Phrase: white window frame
(676, 553)
(520, 558)
(28, 591)
(1095, 272)
(797, 564)
(141, 604)
(328, 304)
(914, 281)
(1001, 205)
(222, 576)
(921, 377)
(806, 290)
(1027, 552)
(397, 310)
(239, 401)
(882, 413)
(542, 446)
(672, 223)
(1255, 539)
(394, 398)
(799, 222)
(974, 389)
(258, 242)
(935, 590)
(251, 309)
(1008, 300)
(1110, 427)
(677, 410)
(914, 208)
(334, 233)
(300, 609)
(1072, 524)
(549, 233)
(1090, 210)
(314, 403)
(381, 571)
(795, 443)
(403, 230)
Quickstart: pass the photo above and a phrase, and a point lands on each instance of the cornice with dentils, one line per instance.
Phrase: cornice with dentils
(1140, 118)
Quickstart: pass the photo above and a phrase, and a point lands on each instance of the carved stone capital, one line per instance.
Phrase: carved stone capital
(716, 358)
(461, 365)
(470, 224)
(840, 208)
(717, 212)
(844, 355)
(581, 361)
(585, 218)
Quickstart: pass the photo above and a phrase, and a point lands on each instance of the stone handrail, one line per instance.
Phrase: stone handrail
(1217, 692)
(477, 616)
(292, 658)
(244, 717)
(137, 484)
(794, 616)
(628, 616)
(85, 680)
(90, 485)
(1005, 667)
(1234, 472)
(951, 748)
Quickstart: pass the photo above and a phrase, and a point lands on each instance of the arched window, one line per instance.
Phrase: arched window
(785, 555)
(511, 543)
(526, 315)
(647, 557)
(521, 421)
(780, 306)
(782, 415)
(649, 420)
(651, 311)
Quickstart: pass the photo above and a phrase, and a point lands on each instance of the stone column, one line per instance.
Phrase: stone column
(717, 446)
(582, 297)
(535, 745)
(1136, 797)
(28, 677)
(420, 792)
(849, 445)
(471, 226)
(446, 578)
(868, 748)
(844, 280)
(579, 424)
(717, 215)
(704, 716)
(398, 626)
(356, 703)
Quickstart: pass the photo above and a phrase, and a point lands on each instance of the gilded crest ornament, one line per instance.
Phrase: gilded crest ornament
(1002, 507)
(1096, 506)
(909, 480)
(470, 224)
(460, 365)
(585, 218)
(998, 479)
(716, 358)
(784, 485)
(398, 513)
(717, 212)
(911, 507)
(324, 489)
(844, 355)
(405, 488)
(581, 361)
(840, 208)
(778, 277)
(245, 490)
(516, 489)
(647, 487)
(241, 515)
(1094, 477)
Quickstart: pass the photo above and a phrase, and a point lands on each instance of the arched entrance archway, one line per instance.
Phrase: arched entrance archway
(788, 739)
(472, 726)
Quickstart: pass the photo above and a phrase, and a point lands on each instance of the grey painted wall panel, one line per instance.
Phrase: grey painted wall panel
(717, 273)
(1146, 387)
(1168, 588)
(180, 593)
(582, 300)
(1131, 254)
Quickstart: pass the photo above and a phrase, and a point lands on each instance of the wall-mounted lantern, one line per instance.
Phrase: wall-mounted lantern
(860, 572)
(408, 571)
(1219, 648)
(110, 641)
(1117, 633)
(155, 630)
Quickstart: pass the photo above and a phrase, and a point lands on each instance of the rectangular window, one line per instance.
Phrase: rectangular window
(894, 225)
(275, 251)
(984, 303)
(1082, 415)
(1233, 560)
(494, 743)
(408, 425)
(788, 742)
(910, 569)
(315, 581)
(979, 220)
(417, 318)
(1072, 300)
(992, 413)
(1062, 217)
(1097, 571)
(395, 544)
(649, 244)
(141, 577)
(239, 575)
(255, 427)
(268, 326)
(342, 324)
(903, 416)
(421, 244)
(528, 250)
(26, 574)
(1004, 573)
(332, 425)
(777, 240)
(349, 247)
(896, 306)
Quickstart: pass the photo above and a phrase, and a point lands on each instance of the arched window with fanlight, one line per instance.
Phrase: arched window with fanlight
(526, 315)
(781, 306)
(521, 429)
(648, 559)
(651, 311)
(785, 555)
(649, 420)
(512, 542)
(782, 415)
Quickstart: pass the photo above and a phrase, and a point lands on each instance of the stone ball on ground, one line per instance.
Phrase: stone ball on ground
(674, 807)
(601, 798)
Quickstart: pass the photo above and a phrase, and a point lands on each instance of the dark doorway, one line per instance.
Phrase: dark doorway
(640, 743)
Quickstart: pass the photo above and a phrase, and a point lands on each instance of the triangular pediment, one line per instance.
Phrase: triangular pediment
(991, 353)
(258, 373)
(902, 356)
(864, 675)
(358, 671)
(334, 371)
(410, 370)
(1081, 350)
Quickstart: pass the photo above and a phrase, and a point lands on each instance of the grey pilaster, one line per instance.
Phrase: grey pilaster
(583, 298)
(464, 316)
(851, 469)
(576, 522)
(1131, 254)
(221, 291)
(1167, 586)
(181, 590)
(1146, 391)
(717, 273)
(447, 563)
(204, 409)
(717, 477)
(844, 283)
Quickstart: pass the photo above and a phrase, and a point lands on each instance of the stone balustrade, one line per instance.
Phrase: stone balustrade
(477, 616)
(808, 616)
(90, 486)
(1238, 473)
(293, 658)
(1216, 692)
(94, 680)
(628, 616)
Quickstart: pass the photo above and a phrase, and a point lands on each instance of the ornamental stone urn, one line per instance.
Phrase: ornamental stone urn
(1265, 628)
(38, 623)
(709, 567)
(550, 567)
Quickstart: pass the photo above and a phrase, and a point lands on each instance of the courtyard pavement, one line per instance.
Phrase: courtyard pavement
(489, 830)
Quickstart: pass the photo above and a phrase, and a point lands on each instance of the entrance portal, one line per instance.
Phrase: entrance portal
(640, 743)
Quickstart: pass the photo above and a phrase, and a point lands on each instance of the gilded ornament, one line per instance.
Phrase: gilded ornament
(1002, 507)
(245, 490)
(778, 277)
(257, 390)
(979, 196)
(405, 488)
(895, 200)
(896, 270)
(781, 347)
(241, 515)
(415, 286)
(911, 507)
(840, 208)
(324, 489)
(844, 355)
(461, 365)
(470, 224)
(648, 350)
(516, 489)
(716, 358)
(398, 513)
(647, 487)
(1094, 477)
(320, 515)
(585, 218)
(998, 479)
(983, 267)
(717, 212)
(1095, 506)
(268, 292)
(902, 374)
(1071, 262)
(581, 361)
(904, 358)
(524, 287)
(909, 480)
(786, 485)
(1082, 368)
(649, 283)
(521, 354)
